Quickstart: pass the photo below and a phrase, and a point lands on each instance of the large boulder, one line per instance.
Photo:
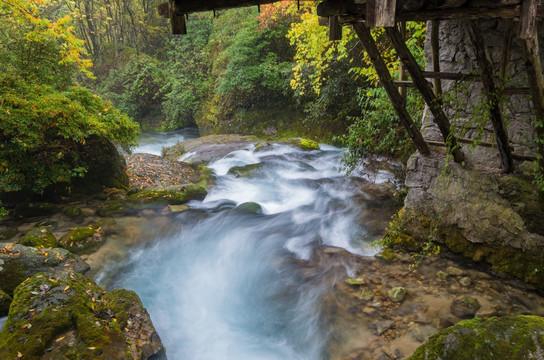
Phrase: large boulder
(67, 316)
(40, 238)
(519, 337)
(81, 240)
(19, 262)
(173, 195)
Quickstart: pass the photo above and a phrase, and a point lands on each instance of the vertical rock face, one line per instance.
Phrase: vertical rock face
(473, 209)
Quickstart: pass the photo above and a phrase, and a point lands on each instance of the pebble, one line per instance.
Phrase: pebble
(453, 271)
(465, 281)
(442, 275)
(397, 294)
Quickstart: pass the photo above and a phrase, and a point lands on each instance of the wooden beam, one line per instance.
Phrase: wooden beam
(531, 50)
(451, 76)
(435, 56)
(380, 12)
(506, 50)
(191, 6)
(402, 71)
(177, 20)
(387, 82)
(491, 92)
(422, 85)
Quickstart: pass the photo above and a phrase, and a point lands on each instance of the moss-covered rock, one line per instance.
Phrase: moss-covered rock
(173, 195)
(67, 316)
(244, 171)
(73, 212)
(5, 301)
(110, 208)
(520, 337)
(8, 234)
(34, 209)
(250, 208)
(40, 238)
(18, 262)
(306, 144)
(81, 240)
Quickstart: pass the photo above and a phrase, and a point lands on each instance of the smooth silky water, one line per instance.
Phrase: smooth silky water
(227, 283)
(153, 142)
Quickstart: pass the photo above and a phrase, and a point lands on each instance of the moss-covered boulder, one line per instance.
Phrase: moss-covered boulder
(110, 208)
(67, 316)
(73, 212)
(81, 240)
(40, 238)
(249, 208)
(34, 209)
(5, 301)
(18, 262)
(173, 195)
(304, 144)
(520, 337)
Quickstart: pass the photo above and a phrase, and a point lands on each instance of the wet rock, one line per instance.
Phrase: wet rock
(355, 281)
(397, 294)
(5, 301)
(465, 307)
(488, 311)
(453, 271)
(465, 281)
(81, 240)
(244, 171)
(380, 327)
(7, 234)
(21, 262)
(422, 333)
(173, 195)
(28, 210)
(442, 275)
(40, 238)
(73, 212)
(66, 315)
(365, 295)
(249, 207)
(177, 208)
(518, 337)
(110, 208)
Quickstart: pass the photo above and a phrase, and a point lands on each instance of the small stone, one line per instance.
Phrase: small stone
(453, 271)
(178, 208)
(355, 281)
(397, 294)
(380, 327)
(465, 281)
(488, 311)
(366, 295)
(465, 308)
(442, 275)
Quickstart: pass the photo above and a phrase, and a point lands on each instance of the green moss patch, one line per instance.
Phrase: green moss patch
(5, 301)
(520, 337)
(40, 238)
(81, 240)
(174, 195)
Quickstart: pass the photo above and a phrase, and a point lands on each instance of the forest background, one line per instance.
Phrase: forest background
(70, 69)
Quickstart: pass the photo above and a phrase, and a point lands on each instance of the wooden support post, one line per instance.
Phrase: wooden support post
(402, 71)
(335, 29)
(387, 82)
(529, 36)
(380, 12)
(435, 56)
(491, 92)
(506, 50)
(428, 95)
(177, 20)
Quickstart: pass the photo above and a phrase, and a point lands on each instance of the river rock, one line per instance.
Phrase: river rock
(380, 327)
(442, 275)
(73, 212)
(21, 262)
(397, 294)
(40, 238)
(465, 308)
(66, 315)
(173, 195)
(453, 271)
(465, 281)
(81, 240)
(244, 171)
(520, 337)
(250, 208)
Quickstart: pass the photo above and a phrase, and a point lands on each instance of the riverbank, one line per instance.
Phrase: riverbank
(365, 307)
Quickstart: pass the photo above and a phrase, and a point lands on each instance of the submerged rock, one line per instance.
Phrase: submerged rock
(465, 308)
(20, 262)
(40, 238)
(520, 337)
(397, 294)
(66, 315)
(81, 240)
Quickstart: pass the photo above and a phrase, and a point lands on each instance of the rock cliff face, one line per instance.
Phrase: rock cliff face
(473, 209)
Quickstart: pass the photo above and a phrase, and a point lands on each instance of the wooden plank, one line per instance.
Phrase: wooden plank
(387, 82)
(422, 85)
(491, 92)
(380, 12)
(435, 56)
(527, 28)
(402, 73)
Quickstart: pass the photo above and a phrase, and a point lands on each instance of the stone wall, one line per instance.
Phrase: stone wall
(474, 209)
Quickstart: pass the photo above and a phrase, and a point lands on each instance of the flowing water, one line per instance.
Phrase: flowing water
(226, 281)
(154, 142)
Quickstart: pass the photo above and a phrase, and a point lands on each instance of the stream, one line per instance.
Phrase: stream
(227, 281)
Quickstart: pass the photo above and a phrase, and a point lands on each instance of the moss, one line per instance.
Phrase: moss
(306, 144)
(355, 281)
(5, 301)
(40, 238)
(517, 337)
(174, 195)
(72, 212)
(27, 210)
(250, 208)
(386, 255)
(81, 240)
(8, 234)
(244, 171)
(110, 208)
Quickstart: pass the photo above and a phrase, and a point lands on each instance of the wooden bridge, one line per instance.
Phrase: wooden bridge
(391, 14)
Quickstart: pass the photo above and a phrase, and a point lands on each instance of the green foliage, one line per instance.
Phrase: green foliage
(42, 128)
